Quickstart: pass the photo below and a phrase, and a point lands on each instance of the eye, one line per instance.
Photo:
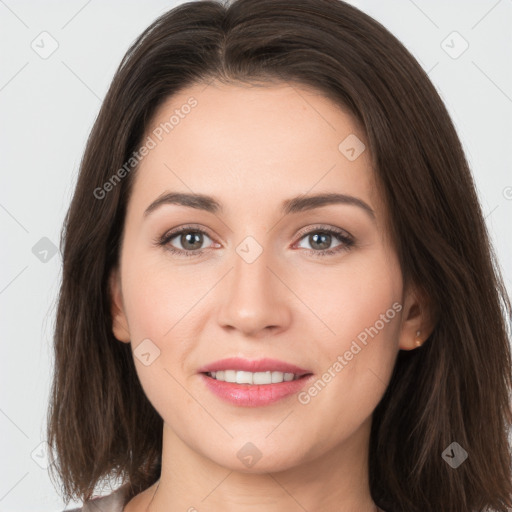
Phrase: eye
(322, 239)
(188, 238)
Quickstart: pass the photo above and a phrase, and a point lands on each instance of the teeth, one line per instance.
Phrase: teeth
(241, 377)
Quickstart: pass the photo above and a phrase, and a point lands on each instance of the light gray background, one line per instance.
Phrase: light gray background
(47, 109)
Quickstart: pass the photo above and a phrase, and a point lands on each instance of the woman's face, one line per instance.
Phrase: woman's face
(249, 279)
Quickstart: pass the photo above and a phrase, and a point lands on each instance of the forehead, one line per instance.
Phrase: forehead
(253, 144)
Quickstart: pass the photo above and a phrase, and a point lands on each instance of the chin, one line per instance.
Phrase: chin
(257, 459)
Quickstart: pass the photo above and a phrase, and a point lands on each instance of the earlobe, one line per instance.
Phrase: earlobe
(418, 342)
(120, 327)
(417, 323)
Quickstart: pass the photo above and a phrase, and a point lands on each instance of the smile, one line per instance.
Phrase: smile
(243, 377)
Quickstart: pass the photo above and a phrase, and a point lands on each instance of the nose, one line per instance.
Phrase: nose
(256, 300)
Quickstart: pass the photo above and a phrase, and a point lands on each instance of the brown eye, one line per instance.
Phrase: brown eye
(186, 241)
(191, 240)
(320, 241)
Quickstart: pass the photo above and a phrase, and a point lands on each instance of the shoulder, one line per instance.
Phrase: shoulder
(113, 502)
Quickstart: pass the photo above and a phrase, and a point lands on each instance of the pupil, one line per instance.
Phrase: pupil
(325, 244)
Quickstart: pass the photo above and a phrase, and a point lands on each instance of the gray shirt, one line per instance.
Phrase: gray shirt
(113, 502)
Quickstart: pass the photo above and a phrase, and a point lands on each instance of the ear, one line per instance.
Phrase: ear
(119, 322)
(417, 320)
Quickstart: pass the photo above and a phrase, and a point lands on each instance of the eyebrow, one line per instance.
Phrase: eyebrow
(293, 205)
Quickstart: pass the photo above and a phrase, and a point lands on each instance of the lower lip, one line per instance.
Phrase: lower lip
(254, 395)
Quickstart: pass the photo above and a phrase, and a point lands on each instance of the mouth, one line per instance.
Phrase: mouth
(232, 368)
(253, 383)
(254, 378)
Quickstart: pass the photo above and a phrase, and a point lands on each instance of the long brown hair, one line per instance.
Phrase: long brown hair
(455, 388)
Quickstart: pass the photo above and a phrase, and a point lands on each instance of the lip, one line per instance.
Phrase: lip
(256, 365)
(254, 395)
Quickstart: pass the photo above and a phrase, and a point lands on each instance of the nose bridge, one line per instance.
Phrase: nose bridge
(255, 297)
(251, 265)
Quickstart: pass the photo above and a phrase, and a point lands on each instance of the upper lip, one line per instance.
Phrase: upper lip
(256, 365)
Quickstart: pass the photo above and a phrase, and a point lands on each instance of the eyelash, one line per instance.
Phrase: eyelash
(347, 242)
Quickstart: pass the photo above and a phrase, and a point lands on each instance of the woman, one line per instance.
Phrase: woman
(278, 288)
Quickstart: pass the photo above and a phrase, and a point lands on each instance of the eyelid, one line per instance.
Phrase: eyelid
(172, 233)
(323, 227)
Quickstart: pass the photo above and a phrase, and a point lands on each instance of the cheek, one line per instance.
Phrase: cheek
(353, 296)
(159, 306)
(361, 306)
(164, 317)
(158, 296)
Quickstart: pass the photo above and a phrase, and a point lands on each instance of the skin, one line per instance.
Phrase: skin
(249, 147)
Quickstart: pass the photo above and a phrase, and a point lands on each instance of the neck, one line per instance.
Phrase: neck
(337, 480)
